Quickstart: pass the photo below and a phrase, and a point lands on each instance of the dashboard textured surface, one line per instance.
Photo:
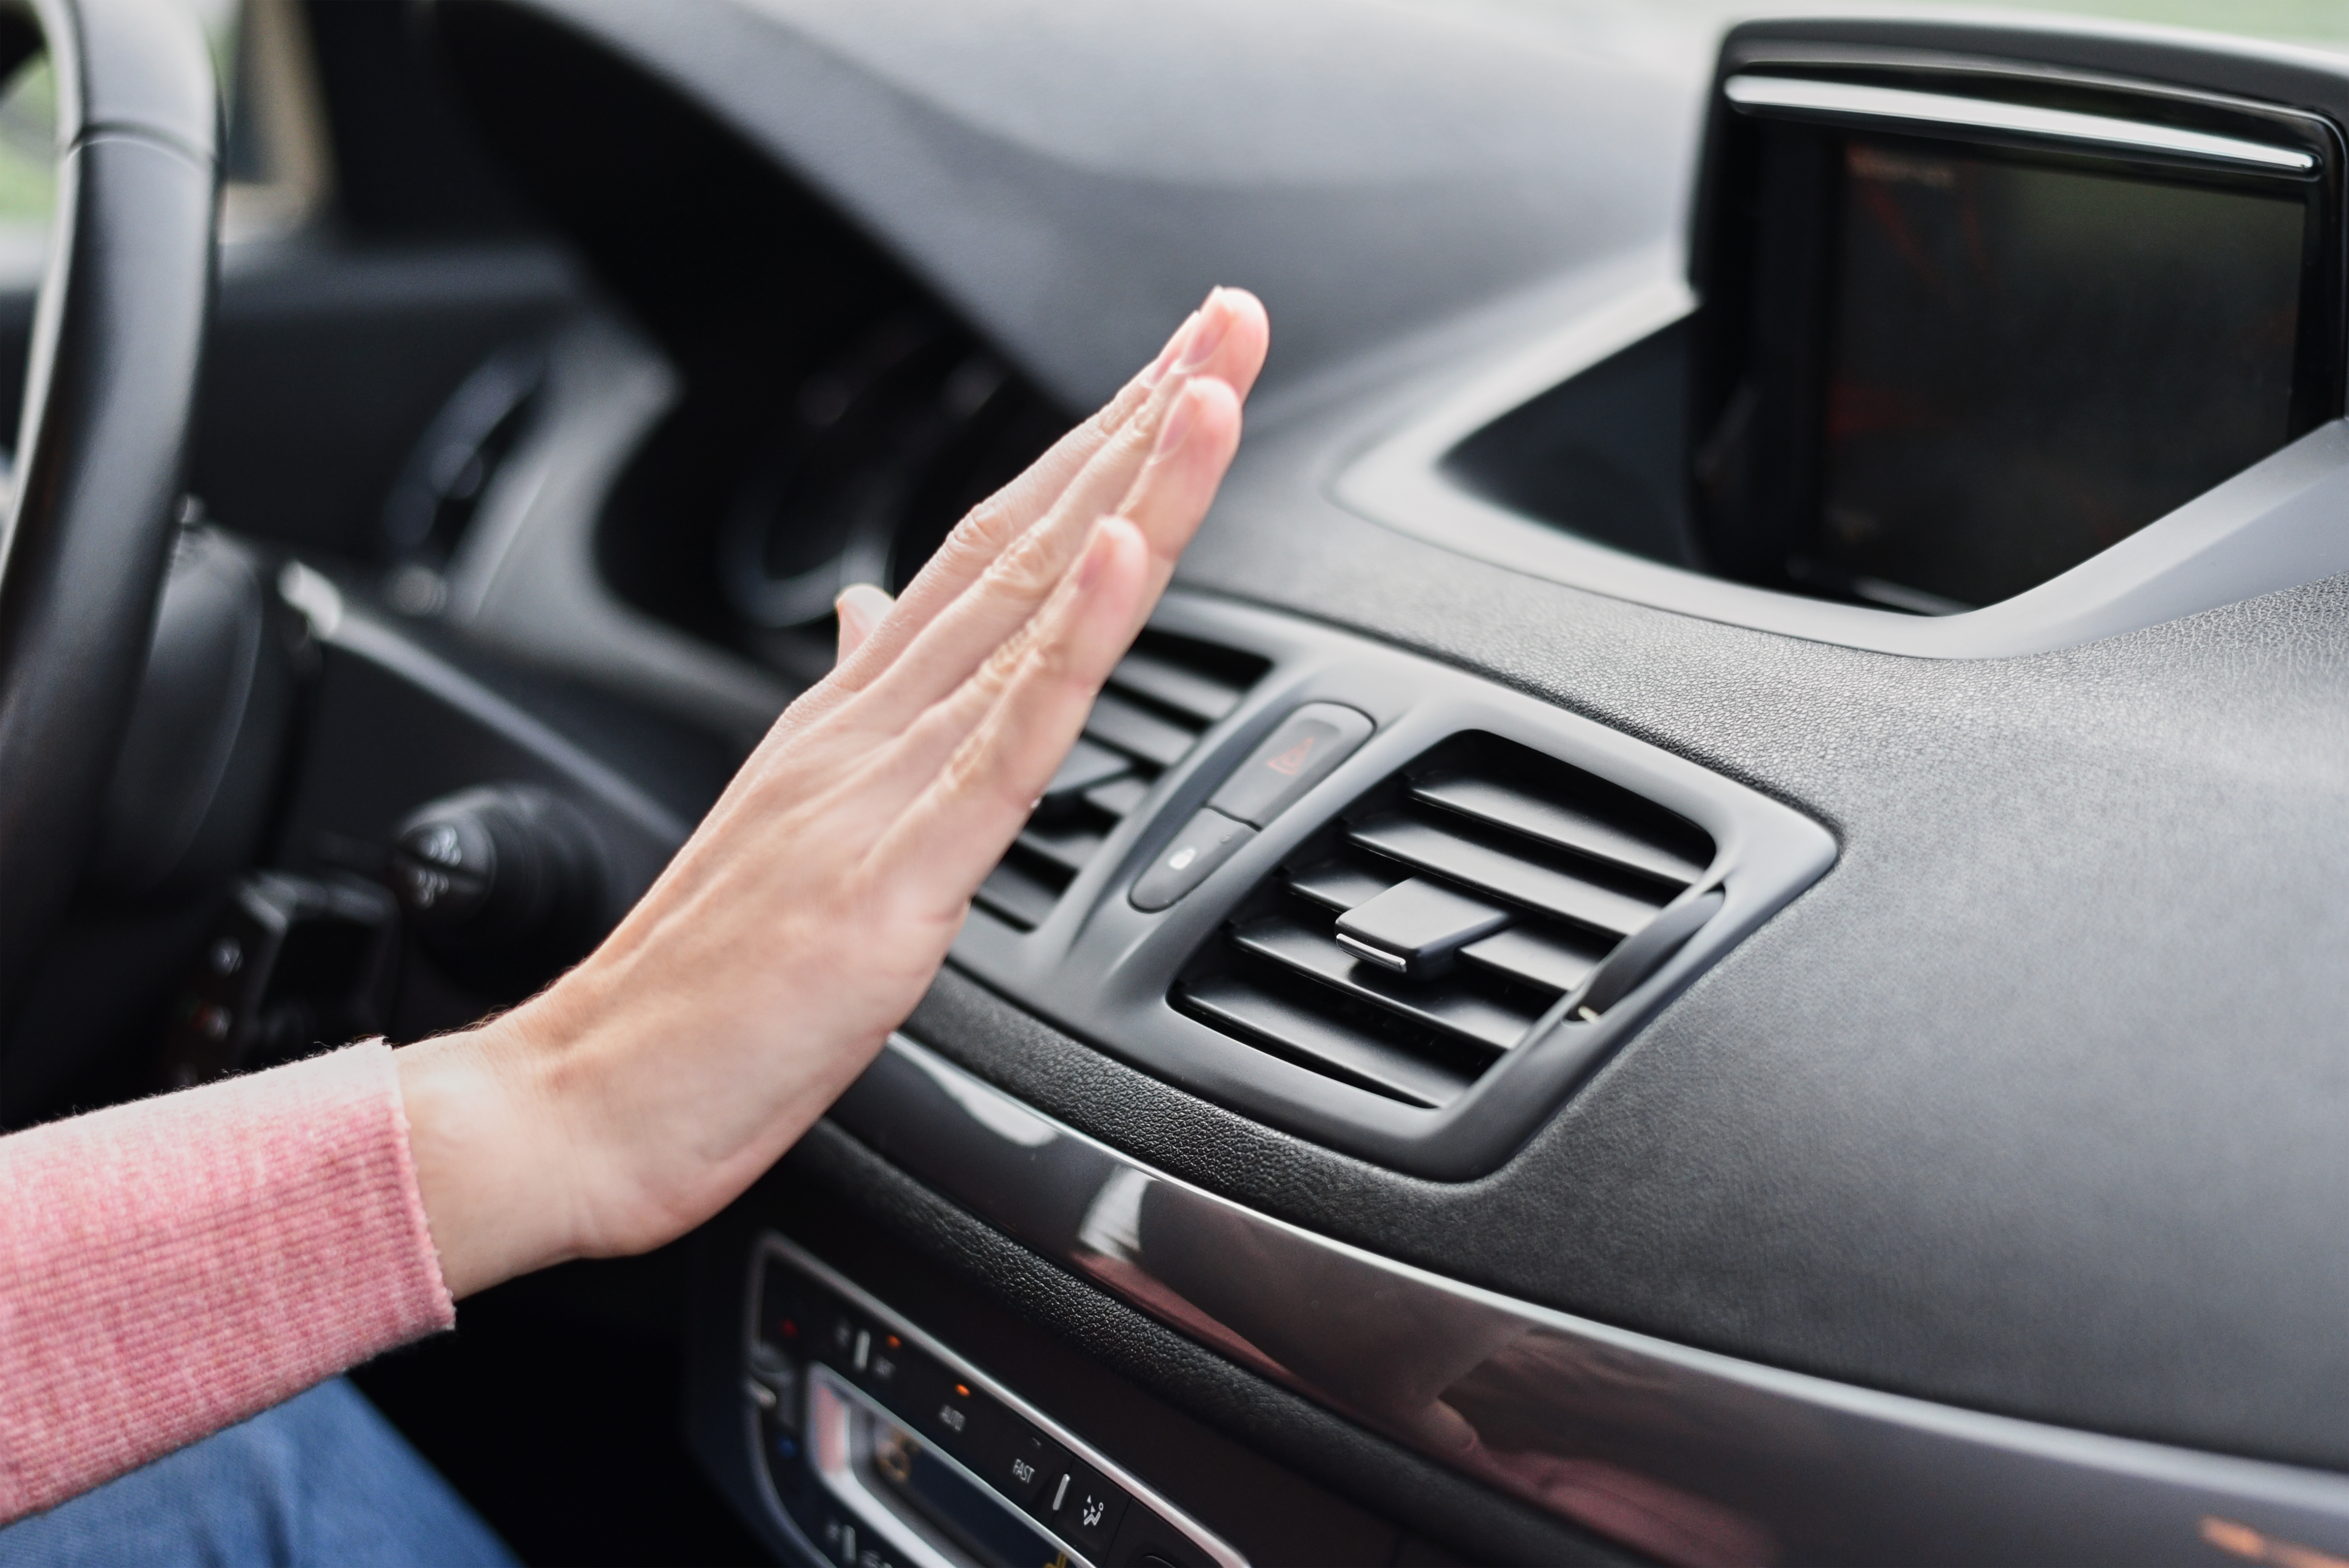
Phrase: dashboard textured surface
(2003, 1112)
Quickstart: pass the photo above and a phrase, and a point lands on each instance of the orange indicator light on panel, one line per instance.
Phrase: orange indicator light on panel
(963, 1390)
(891, 1341)
(2257, 1546)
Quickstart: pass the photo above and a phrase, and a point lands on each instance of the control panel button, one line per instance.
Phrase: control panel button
(964, 1421)
(794, 1316)
(1207, 841)
(841, 1330)
(903, 1376)
(1292, 759)
(1021, 1462)
(1088, 1510)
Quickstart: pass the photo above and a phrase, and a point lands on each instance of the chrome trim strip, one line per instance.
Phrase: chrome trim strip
(770, 1244)
(1698, 1458)
(1853, 100)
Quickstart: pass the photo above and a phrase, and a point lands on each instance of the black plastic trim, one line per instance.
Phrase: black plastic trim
(1101, 968)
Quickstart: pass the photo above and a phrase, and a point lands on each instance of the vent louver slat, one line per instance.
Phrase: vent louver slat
(1158, 702)
(1341, 884)
(1519, 877)
(1479, 830)
(1068, 848)
(1204, 698)
(1554, 823)
(1456, 1010)
(1136, 730)
(1557, 963)
(1308, 1033)
(1119, 796)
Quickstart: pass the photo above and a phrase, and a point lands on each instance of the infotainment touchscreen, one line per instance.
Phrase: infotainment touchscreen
(1962, 329)
(2025, 364)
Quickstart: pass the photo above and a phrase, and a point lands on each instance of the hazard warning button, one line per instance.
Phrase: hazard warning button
(1295, 758)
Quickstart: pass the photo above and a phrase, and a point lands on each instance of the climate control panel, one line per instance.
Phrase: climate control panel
(883, 1448)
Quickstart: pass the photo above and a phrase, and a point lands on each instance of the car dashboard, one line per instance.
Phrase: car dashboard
(1707, 927)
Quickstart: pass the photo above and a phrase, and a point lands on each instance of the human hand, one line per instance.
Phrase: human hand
(803, 920)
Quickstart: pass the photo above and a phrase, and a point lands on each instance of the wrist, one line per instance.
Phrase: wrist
(484, 1138)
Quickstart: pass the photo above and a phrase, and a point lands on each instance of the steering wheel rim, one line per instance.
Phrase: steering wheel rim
(101, 452)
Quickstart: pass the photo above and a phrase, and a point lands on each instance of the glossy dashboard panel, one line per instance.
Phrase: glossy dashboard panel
(1693, 1458)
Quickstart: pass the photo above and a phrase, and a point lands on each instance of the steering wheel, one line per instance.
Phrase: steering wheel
(109, 398)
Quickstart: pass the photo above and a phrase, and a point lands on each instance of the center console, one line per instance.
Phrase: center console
(882, 1446)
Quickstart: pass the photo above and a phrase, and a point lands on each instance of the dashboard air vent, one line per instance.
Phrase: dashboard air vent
(1422, 936)
(1157, 702)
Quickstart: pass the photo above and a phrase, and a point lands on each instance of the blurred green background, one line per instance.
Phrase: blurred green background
(29, 116)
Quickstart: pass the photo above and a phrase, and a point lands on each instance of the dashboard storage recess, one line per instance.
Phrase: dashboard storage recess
(1988, 338)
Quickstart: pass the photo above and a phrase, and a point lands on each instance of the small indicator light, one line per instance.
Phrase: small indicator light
(2238, 1540)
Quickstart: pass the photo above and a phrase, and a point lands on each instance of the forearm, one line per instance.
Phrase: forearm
(176, 1265)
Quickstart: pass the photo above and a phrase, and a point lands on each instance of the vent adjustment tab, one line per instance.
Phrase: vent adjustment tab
(1447, 915)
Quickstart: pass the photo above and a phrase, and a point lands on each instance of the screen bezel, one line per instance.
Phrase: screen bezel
(1763, 266)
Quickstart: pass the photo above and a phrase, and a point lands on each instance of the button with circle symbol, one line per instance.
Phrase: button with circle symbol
(1207, 841)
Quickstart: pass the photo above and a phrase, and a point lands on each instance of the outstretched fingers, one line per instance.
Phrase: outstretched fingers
(959, 825)
(1226, 339)
(1201, 413)
(1170, 495)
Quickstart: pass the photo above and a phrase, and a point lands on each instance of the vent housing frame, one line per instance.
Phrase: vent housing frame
(1159, 702)
(1467, 818)
(1101, 970)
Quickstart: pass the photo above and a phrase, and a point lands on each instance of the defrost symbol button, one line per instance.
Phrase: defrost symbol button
(1088, 1511)
(1207, 841)
(1299, 755)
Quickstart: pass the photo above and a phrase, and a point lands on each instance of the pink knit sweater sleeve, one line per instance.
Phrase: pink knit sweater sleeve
(172, 1266)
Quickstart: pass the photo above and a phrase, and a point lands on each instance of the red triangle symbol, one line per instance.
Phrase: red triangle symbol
(1292, 761)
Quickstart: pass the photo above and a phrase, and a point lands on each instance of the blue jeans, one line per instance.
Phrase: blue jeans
(321, 1481)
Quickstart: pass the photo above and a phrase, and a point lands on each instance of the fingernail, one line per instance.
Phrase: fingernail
(1158, 366)
(1177, 428)
(1096, 557)
(1207, 337)
(861, 603)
